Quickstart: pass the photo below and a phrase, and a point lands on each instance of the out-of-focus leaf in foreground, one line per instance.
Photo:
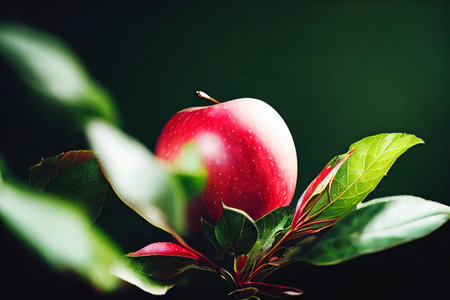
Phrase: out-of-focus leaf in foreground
(53, 72)
(75, 175)
(61, 233)
(377, 225)
(143, 182)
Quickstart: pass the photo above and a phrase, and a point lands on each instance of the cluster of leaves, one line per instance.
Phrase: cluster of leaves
(329, 224)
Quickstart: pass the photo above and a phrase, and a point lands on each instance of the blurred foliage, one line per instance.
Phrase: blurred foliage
(59, 230)
(52, 71)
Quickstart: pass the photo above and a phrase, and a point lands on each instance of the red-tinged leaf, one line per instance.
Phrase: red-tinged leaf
(318, 186)
(240, 263)
(74, 174)
(71, 158)
(275, 290)
(165, 261)
(164, 248)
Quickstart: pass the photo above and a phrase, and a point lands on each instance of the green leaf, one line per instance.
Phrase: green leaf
(190, 170)
(53, 72)
(131, 272)
(143, 182)
(361, 173)
(210, 233)
(75, 175)
(272, 225)
(377, 225)
(235, 231)
(60, 232)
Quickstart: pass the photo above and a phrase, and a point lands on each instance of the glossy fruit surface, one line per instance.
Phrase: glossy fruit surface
(247, 149)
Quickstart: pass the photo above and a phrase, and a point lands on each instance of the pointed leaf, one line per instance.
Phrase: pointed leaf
(52, 71)
(318, 187)
(271, 225)
(164, 248)
(273, 290)
(131, 272)
(378, 225)
(143, 182)
(235, 231)
(239, 263)
(361, 173)
(165, 261)
(74, 174)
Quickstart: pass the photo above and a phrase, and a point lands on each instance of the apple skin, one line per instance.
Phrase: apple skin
(248, 152)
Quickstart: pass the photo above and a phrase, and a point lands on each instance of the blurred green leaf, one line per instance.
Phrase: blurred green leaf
(361, 173)
(142, 181)
(235, 231)
(59, 231)
(52, 71)
(377, 225)
(75, 175)
(189, 169)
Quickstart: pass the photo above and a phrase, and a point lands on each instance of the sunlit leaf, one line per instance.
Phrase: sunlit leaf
(52, 71)
(361, 173)
(75, 175)
(143, 182)
(235, 231)
(317, 188)
(377, 225)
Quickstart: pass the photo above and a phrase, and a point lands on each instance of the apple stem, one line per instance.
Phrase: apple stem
(203, 95)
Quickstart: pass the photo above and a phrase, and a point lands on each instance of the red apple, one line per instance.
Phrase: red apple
(248, 152)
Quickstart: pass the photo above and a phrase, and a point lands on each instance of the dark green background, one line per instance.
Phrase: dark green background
(335, 71)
